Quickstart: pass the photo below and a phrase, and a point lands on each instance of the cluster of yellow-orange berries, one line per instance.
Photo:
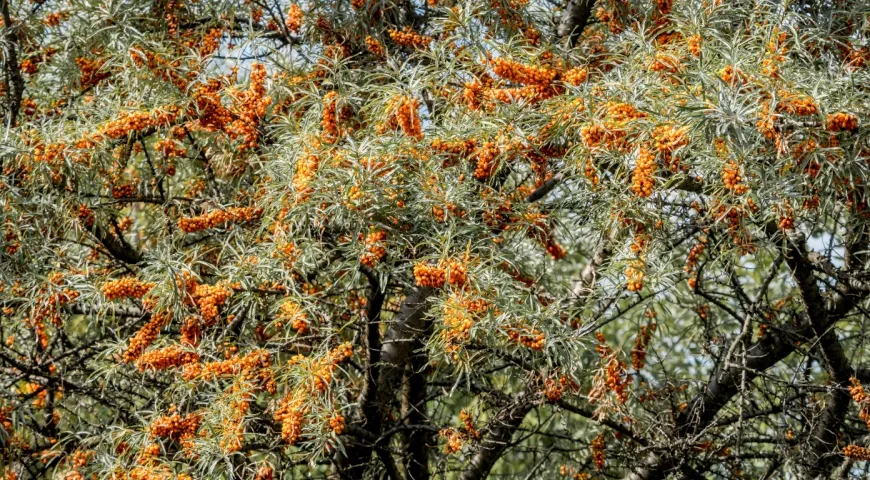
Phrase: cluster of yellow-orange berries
(841, 122)
(567, 471)
(126, 287)
(255, 366)
(435, 276)
(292, 408)
(146, 336)
(732, 178)
(139, 121)
(694, 43)
(642, 180)
(575, 76)
(375, 250)
(692, 260)
(786, 216)
(166, 358)
(460, 312)
(409, 38)
(216, 218)
(168, 148)
(329, 119)
(374, 46)
(175, 426)
(614, 376)
(856, 390)
(638, 353)
(635, 273)
(209, 298)
(403, 116)
(519, 73)
(487, 160)
(793, 104)
(597, 449)
(306, 169)
(290, 311)
(251, 107)
(555, 389)
(856, 452)
(92, 71)
(529, 337)
(668, 139)
(455, 438)
(294, 18)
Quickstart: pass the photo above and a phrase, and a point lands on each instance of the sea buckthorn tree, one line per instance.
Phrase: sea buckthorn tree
(524, 239)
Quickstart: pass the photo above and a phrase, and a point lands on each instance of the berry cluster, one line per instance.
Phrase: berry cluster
(409, 38)
(435, 276)
(146, 336)
(841, 122)
(175, 426)
(692, 260)
(862, 399)
(856, 452)
(597, 449)
(292, 312)
(642, 180)
(529, 337)
(166, 358)
(634, 274)
(255, 366)
(638, 353)
(375, 250)
(139, 121)
(126, 287)
(802, 106)
(217, 218)
(403, 116)
(575, 76)
(524, 74)
(294, 406)
(668, 139)
(694, 44)
(732, 178)
(209, 298)
(306, 169)
(460, 311)
(329, 119)
(294, 18)
(374, 46)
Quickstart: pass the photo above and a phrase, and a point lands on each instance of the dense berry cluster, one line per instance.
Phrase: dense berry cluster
(146, 336)
(527, 336)
(460, 312)
(841, 122)
(293, 408)
(294, 18)
(165, 358)
(409, 38)
(642, 180)
(292, 313)
(216, 218)
(126, 287)
(638, 353)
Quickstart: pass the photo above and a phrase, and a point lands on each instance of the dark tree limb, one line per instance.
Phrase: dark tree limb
(497, 437)
(574, 19)
(13, 69)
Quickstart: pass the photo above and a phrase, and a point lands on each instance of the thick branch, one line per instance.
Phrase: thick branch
(574, 19)
(497, 437)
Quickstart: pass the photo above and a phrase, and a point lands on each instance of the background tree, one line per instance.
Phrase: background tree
(404, 240)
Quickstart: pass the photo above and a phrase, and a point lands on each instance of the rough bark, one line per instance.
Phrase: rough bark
(14, 79)
(574, 19)
(496, 438)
